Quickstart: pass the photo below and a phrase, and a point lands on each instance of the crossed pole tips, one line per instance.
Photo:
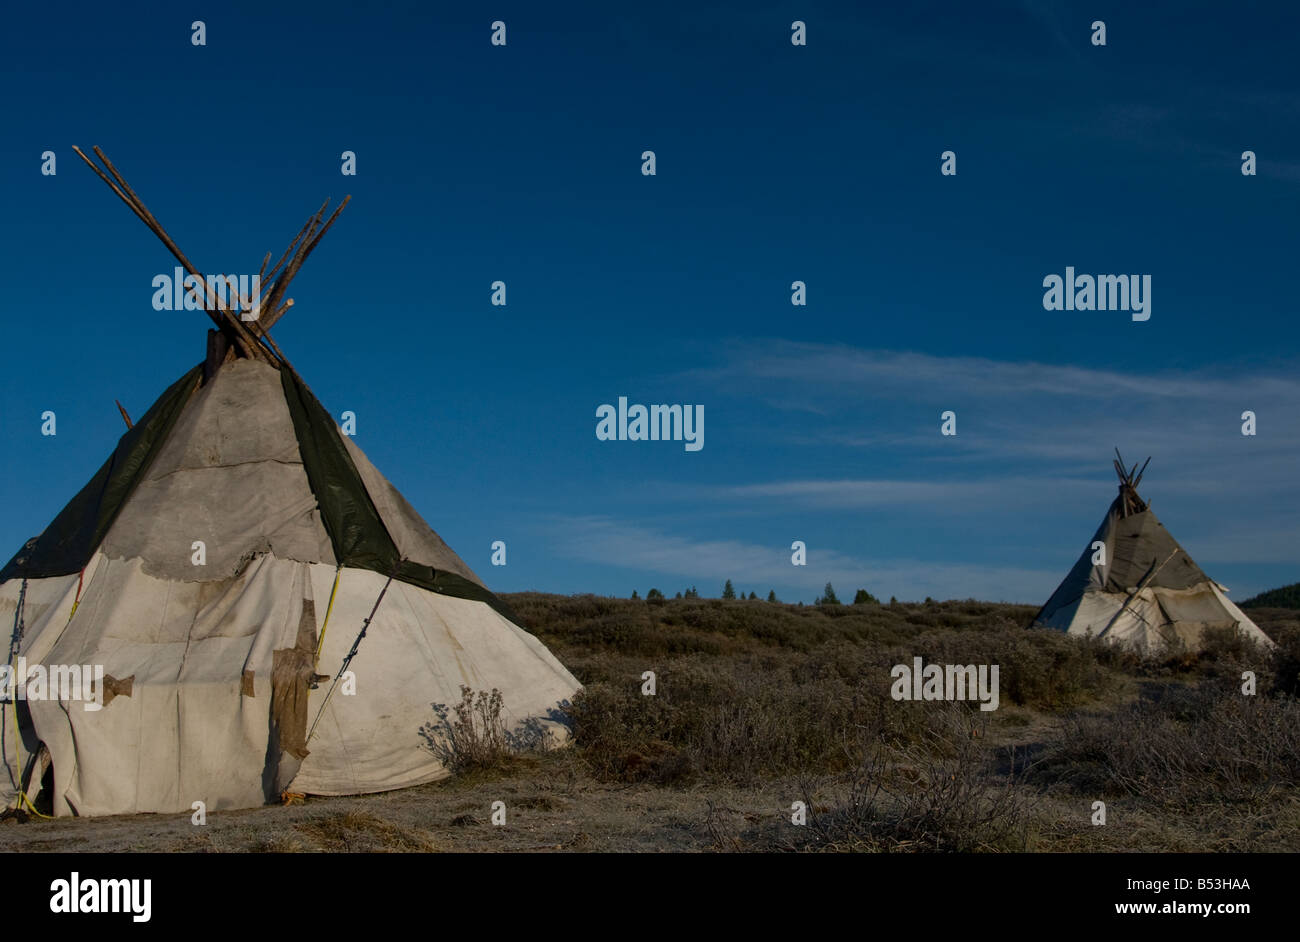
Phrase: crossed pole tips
(1128, 482)
(250, 338)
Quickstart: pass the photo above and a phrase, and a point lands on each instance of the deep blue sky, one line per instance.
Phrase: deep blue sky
(775, 163)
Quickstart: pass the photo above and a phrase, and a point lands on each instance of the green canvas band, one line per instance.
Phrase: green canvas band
(67, 544)
(355, 528)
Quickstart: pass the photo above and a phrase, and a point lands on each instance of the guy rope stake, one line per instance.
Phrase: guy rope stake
(353, 653)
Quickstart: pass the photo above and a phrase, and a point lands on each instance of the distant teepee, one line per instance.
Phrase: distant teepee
(1143, 590)
(269, 614)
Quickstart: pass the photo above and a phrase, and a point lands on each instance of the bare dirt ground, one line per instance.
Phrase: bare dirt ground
(550, 805)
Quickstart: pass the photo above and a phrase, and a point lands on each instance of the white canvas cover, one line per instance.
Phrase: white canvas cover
(207, 666)
(229, 475)
(1148, 594)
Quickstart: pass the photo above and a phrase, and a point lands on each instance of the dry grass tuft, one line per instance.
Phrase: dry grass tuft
(361, 832)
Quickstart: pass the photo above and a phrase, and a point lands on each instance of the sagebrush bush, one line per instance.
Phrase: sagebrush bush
(1190, 746)
(943, 792)
(470, 734)
(750, 691)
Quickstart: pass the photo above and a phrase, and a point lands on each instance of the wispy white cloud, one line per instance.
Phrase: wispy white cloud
(940, 496)
(836, 369)
(1034, 437)
(1022, 485)
(708, 563)
(1065, 418)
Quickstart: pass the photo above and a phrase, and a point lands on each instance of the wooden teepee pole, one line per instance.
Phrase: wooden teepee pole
(305, 248)
(220, 314)
(1140, 586)
(305, 231)
(1138, 479)
(249, 337)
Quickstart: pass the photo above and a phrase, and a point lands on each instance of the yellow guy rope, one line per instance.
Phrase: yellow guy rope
(320, 643)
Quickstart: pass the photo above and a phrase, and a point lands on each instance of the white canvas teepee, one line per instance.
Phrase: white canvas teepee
(220, 667)
(1143, 590)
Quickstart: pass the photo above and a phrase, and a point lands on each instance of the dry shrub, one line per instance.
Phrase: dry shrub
(941, 793)
(771, 712)
(471, 734)
(1038, 668)
(736, 720)
(1286, 659)
(1191, 746)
